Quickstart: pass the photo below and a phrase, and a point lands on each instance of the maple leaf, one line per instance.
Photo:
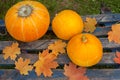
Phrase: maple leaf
(89, 24)
(117, 58)
(23, 66)
(45, 63)
(75, 73)
(11, 51)
(114, 35)
(57, 47)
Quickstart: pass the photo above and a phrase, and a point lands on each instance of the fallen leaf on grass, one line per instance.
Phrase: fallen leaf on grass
(23, 66)
(57, 47)
(11, 51)
(45, 63)
(114, 35)
(117, 58)
(75, 73)
(89, 24)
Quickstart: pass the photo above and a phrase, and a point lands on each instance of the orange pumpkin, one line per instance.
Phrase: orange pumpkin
(85, 50)
(27, 20)
(66, 24)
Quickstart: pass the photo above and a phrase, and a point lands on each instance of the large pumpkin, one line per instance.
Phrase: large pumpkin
(27, 20)
(85, 50)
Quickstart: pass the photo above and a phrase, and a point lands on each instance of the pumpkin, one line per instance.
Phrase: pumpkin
(27, 20)
(66, 24)
(85, 49)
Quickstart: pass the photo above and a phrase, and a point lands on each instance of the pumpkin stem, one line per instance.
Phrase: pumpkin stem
(84, 38)
(25, 11)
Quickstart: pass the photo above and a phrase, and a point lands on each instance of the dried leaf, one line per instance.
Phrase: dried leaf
(117, 58)
(45, 63)
(57, 47)
(114, 35)
(11, 51)
(75, 73)
(89, 24)
(23, 66)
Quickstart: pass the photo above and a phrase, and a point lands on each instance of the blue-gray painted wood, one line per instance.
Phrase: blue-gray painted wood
(11, 74)
(93, 74)
(103, 74)
(2, 23)
(62, 58)
(102, 18)
(100, 30)
(43, 44)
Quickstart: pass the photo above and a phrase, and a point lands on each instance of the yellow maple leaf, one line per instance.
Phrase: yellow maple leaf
(23, 66)
(57, 47)
(114, 35)
(89, 24)
(45, 63)
(11, 51)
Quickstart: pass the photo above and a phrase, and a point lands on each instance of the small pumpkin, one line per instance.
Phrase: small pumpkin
(27, 20)
(85, 49)
(66, 24)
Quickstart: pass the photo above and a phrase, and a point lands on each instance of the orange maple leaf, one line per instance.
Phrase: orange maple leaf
(57, 47)
(23, 66)
(45, 63)
(75, 73)
(90, 24)
(117, 58)
(114, 35)
(11, 51)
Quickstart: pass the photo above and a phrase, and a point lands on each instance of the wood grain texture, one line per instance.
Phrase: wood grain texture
(100, 30)
(93, 74)
(104, 17)
(12, 74)
(43, 44)
(62, 58)
(103, 74)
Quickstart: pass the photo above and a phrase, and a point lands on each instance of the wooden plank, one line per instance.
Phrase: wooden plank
(100, 31)
(93, 74)
(102, 18)
(62, 58)
(103, 74)
(42, 44)
(11, 74)
(99, 17)
(2, 23)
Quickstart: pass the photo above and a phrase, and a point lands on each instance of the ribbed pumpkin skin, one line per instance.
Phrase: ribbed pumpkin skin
(27, 28)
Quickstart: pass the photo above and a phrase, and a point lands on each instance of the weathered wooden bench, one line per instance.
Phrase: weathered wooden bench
(106, 69)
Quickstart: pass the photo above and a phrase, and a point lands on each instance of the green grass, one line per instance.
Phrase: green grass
(83, 7)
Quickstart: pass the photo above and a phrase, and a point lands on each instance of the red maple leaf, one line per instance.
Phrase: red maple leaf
(117, 58)
(75, 73)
